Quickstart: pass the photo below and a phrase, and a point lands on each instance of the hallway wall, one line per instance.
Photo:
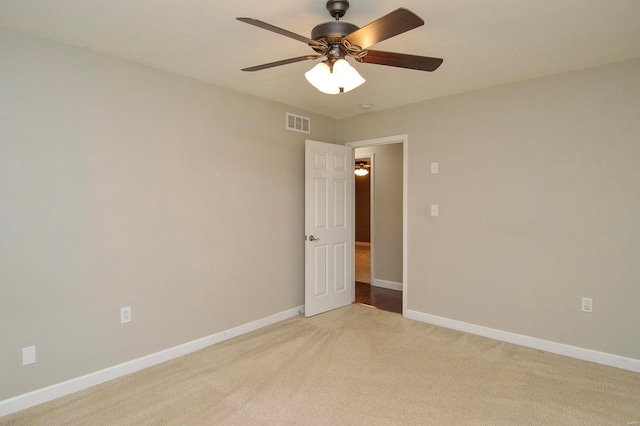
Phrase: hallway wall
(363, 208)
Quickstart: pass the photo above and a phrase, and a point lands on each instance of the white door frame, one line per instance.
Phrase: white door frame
(404, 139)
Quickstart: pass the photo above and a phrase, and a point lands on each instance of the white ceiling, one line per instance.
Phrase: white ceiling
(483, 43)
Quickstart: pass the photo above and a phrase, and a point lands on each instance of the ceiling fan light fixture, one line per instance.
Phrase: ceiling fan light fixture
(338, 39)
(361, 168)
(339, 78)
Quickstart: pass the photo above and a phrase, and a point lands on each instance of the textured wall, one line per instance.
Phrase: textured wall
(123, 185)
(539, 195)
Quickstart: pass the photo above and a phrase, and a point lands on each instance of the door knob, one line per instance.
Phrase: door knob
(312, 238)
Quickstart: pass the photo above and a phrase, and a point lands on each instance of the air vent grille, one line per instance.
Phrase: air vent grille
(298, 123)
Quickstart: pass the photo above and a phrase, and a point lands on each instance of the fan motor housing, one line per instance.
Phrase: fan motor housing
(332, 29)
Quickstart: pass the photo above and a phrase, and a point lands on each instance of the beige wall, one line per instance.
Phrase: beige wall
(125, 185)
(539, 195)
(387, 211)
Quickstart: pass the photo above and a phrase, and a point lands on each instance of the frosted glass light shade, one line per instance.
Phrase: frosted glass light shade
(320, 78)
(345, 76)
(342, 78)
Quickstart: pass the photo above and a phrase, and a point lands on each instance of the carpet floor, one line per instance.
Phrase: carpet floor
(356, 366)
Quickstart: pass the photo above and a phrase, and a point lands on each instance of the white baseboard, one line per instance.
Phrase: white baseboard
(583, 354)
(58, 390)
(391, 285)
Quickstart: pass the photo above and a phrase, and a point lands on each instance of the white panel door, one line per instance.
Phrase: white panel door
(329, 227)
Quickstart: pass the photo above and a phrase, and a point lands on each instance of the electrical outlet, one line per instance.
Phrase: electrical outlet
(125, 314)
(29, 355)
(587, 304)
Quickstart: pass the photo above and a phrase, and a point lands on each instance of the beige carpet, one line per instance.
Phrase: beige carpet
(356, 366)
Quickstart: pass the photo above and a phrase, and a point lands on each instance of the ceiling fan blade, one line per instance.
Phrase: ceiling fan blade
(280, 31)
(401, 60)
(396, 22)
(283, 62)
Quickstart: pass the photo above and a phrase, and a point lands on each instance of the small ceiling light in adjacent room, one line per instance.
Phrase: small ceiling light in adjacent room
(367, 105)
(333, 78)
(361, 168)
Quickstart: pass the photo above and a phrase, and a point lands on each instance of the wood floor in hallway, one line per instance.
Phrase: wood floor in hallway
(378, 297)
(363, 263)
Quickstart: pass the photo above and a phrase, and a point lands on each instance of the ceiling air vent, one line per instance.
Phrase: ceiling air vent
(298, 123)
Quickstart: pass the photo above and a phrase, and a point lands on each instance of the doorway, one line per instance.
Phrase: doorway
(380, 261)
(363, 210)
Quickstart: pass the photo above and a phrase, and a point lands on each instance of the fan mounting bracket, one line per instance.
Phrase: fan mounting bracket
(337, 8)
(332, 30)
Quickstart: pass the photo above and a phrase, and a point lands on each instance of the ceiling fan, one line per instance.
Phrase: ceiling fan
(336, 40)
(362, 168)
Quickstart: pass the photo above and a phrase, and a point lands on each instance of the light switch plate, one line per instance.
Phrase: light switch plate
(434, 210)
(29, 355)
(125, 315)
(434, 168)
